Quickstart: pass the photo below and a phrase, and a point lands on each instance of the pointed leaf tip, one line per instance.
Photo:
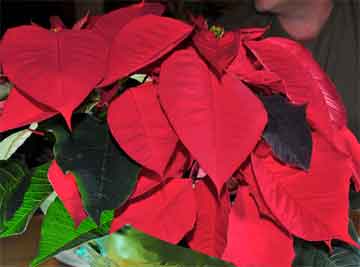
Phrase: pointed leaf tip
(66, 188)
(229, 118)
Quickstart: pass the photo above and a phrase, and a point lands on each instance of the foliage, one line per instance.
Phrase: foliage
(231, 143)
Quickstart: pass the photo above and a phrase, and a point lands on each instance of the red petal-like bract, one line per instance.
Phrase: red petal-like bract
(167, 214)
(254, 241)
(305, 81)
(210, 232)
(141, 42)
(57, 69)
(139, 125)
(109, 24)
(218, 52)
(149, 180)
(352, 147)
(66, 189)
(313, 204)
(226, 119)
(81, 23)
(11, 118)
(146, 182)
(255, 192)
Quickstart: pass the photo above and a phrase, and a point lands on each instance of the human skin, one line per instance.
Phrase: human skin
(302, 19)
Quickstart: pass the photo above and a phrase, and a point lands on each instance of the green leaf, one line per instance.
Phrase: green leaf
(13, 183)
(37, 192)
(105, 175)
(10, 144)
(308, 254)
(5, 90)
(130, 247)
(58, 232)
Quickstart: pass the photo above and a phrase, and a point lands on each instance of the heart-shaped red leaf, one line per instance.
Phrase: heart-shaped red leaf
(141, 42)
(218, 52)
(66, 189)
(57, 69)
(226, 118)
(141, 128)
(313, 204)
(255, 241)
(167, 214)
(305, 82)
(10, 117)
(210, 232)
(109, 24)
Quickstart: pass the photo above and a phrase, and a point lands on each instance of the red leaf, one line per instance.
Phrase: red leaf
(149, 180)
(141, 42)
(109, 24)
(146, 182)
(351, 146)
(304, 80)
(141, 128)
(66, 189)
(31, 111)
(312, 205)
(218, 52)
(210, 232)
(167, 214)
(54, 68)
(254, 241)
(226, 119)
(80, 24)
(255, 192)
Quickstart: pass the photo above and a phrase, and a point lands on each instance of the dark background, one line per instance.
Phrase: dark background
(19, 12)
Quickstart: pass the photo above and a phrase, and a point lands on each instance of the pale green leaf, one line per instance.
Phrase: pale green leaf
(10, 144)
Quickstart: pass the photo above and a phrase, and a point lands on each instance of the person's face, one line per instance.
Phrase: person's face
(269, 5)
(276, 5)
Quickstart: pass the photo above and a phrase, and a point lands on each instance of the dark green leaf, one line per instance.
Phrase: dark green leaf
(58, 231)
(13, 184)
(130, 247)
(104, 174)
(287, 131)
(316, 255)
(37, 192)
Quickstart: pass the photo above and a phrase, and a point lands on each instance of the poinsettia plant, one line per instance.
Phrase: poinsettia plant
(228, 142)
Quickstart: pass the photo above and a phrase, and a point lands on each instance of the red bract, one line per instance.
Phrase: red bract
(304, 81)
(141, 128)
(312, 205)
(219, 122)
(210, 231)
(110, 24)
(66, 189)
(350, 145)
(32, 111)
(128, 52)
(255, 241)
(54, 68)
(168, 214)
(219, 52)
